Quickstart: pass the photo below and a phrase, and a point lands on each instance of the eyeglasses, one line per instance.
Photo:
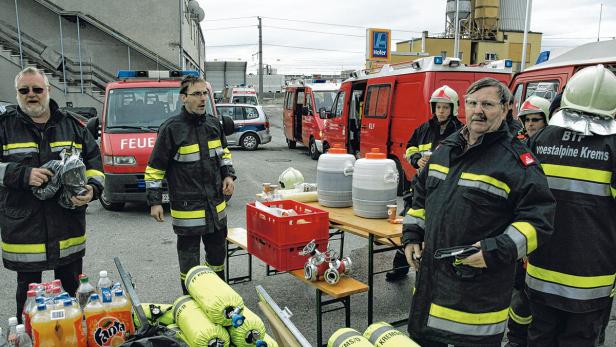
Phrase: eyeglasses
(485, 105)
(26, 90)
(198, 94)
(532, 120)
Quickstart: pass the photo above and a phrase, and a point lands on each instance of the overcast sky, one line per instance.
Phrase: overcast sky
(313, 47)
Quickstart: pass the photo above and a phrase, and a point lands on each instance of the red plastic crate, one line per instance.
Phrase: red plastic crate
(285, 258)
(309, 224)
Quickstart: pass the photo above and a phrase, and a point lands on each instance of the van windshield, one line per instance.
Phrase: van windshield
(245, 99)
(143, 107)
(324, 99)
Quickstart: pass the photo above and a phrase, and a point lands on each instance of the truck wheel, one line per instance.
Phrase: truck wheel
(313, 150)
(403, 184)
(111, 206)
(249, 142)
(291, 144)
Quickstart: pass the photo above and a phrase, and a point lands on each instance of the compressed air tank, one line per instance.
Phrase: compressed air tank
(375, 185)
(348, 337)
(251, 333)
(217, 299)
(335, 178)
(196, 328)
(384, 335)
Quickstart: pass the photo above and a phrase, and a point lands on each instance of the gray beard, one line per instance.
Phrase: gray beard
(34, 111)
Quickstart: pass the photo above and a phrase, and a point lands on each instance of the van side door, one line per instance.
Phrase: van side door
(287, 114)
(375, 120)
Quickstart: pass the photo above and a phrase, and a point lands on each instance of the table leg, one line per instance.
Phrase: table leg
(370, 276)
(227, 261)
(347, 311)
(319, 319)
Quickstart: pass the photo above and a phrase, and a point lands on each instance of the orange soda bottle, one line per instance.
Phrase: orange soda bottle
(94, 312)
(43, 329)
(122, 309)
(70, 331)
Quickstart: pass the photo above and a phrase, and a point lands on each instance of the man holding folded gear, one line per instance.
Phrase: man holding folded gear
(191, 152)
(482, 188)
(570, 281)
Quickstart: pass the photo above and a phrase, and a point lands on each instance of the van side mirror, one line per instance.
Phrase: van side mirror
(227, 125)
(93, 127)
(324, 114)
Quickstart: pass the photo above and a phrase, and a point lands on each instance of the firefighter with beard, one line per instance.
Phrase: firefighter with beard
(444, 122)
(191, 153)
(570, 281)
(484, 192)
(39, 235)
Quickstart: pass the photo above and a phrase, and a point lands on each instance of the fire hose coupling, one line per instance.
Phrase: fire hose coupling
(261, 343)
(237, 319)
(337, 268)
(325, 265)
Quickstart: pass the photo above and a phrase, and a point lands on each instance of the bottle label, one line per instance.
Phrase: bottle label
(110, 329)
(57, 314)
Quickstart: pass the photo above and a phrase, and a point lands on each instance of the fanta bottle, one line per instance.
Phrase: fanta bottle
(95, 314)
(122, 309)
(71, 332)
(44, 329)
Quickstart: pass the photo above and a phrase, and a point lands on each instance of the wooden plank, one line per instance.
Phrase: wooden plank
(397, 241)
(344, 216)
(282, 335)
(345, 287)
(238, 236)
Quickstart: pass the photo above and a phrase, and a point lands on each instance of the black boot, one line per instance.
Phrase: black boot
(401, 268)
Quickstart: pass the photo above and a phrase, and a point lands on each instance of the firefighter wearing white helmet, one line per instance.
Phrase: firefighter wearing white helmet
(534, 114)
(444, 122)
(289, 178)
(570, 280)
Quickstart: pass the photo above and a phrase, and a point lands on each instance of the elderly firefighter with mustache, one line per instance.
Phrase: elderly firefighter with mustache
(40, 235)
(481, 203)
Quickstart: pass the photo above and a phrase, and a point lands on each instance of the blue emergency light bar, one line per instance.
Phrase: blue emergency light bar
(319, 81)
(438, 60)
(508, 63)
(156, 73)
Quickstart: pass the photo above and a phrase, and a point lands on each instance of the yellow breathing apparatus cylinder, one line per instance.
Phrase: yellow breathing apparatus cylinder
(269, 341)
(251, 333)
(155, 313)
(348, 337)
(219, 302)
(382, 334)
(178, 332)
(197, 329)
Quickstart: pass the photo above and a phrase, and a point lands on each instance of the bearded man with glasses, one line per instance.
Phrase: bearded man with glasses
(481, 203)
(40, 235)
(191, 154)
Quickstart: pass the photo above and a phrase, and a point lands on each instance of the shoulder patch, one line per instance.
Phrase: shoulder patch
(527, 159)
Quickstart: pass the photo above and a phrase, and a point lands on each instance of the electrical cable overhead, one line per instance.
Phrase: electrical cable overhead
(324, 32)
(219, 19)
(313, 48)
(334, 24)
(233, 45)
(236, 27)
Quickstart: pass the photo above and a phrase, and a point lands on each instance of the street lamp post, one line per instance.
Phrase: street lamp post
(525, 42)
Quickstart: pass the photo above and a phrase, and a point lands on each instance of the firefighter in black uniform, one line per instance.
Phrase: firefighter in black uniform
(444, 122)
(534, 113)
(40, 235)
(191, 153)
(482, 188)
(570, 280)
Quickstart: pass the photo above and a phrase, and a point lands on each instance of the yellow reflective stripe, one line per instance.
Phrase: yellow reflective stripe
(467, 317)
(421, 213)
(613, 191)
(189, 149)
(579, 173)
(188, 214)
(530, 232)
(411, 150)
(439, 168)
(24, 247)
(64, 244)
(425, 147)
(227, 153)
(19, 145)
(66, 144)
(519, 319)
(486, 179)
(92, 173)
(154, 174)
(221, 207)
(213, 144)
(570, 280)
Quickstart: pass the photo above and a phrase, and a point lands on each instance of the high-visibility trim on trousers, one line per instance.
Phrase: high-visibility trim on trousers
(24, 253)
(524, 235)
(215, 268)
(466, 323)
(196, 218)
(519, 319)
(72, 246)
(569, 286)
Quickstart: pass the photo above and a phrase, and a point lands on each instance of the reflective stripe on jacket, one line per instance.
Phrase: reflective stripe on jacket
(576, 270)
(191, 153)
(427, 137)
(482, 194)
(40, 235)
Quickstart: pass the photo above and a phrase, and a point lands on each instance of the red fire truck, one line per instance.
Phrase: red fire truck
(134, 108)
(381, 108)
(302, 103)
(549, 78)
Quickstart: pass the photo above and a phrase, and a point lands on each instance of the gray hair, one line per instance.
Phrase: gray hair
(503, 92)
(30, 71)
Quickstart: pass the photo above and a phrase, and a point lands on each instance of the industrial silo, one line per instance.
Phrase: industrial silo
(512, 13)
(486, 17)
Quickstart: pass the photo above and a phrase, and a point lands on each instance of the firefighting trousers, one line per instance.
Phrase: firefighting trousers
(552, 327)
(68, 274)
(189, 254)
(519, 311)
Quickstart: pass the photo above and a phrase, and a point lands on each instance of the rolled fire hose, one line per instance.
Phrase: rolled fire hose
(221, 304)
(382, 334)
(348, 337)
(197, 329)
(161, 313)
(251, 333)
(178, 332)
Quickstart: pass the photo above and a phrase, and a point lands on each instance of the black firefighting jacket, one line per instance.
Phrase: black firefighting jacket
(576, 270)
(191, 153)
(41, 235)
(495, 193)
(427, 137)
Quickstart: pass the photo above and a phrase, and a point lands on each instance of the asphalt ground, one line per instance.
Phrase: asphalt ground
(147, 250)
